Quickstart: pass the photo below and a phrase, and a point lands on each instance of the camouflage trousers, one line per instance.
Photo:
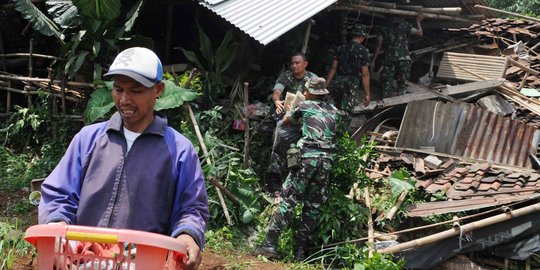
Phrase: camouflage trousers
(347, 92)
(284, 136)
(306, 185)
(396, 70)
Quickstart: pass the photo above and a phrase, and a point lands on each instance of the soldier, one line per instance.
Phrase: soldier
(308, 180)
(352, 65)
(291, 81)
(397, 59)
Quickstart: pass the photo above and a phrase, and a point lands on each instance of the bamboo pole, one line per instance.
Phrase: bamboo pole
(399, 12)
(246, 121)
(371, 233)
(219, 187)
(508, 13)
(396, 206)
(28, 54)
(463, 229)
(208, 161)
(33, 92)
(29, 79)
(451, 11)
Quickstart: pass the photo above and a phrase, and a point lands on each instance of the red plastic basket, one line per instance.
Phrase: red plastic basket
(143, 250)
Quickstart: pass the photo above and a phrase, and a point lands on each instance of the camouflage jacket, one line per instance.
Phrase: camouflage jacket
(351, 57)
(395, 38)
(319, 122)
(286, 81)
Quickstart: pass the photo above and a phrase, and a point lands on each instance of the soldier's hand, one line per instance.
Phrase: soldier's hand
(420, 18)
(279, 106)
(367, 100)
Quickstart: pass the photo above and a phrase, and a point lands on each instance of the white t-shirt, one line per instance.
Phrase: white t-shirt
(130, 137)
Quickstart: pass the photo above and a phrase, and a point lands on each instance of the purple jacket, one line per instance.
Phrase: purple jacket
(157, 186)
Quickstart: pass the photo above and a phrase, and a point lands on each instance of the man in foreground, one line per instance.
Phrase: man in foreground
(132, 171)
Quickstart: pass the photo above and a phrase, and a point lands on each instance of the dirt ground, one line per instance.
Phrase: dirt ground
(212, 260)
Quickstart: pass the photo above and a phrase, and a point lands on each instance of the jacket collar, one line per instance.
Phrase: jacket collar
(157, 126)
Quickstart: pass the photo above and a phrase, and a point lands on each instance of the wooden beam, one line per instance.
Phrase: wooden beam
(523, 67)
(450, 91)
(399, 12)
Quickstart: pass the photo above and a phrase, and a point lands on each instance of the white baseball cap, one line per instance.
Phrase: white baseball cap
(140, 64)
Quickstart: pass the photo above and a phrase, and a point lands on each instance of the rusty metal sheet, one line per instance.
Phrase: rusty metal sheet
(465, 130)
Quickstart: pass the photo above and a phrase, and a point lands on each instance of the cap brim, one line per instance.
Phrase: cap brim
(136, 76)
(325, 92)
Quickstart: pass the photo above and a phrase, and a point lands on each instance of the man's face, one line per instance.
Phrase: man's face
(298, 65)
(135, 102)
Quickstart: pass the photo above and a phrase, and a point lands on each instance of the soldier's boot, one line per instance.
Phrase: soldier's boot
(300, 251)
(268, 248)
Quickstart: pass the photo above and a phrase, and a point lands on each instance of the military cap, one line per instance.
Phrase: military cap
(316, 86)
(358, 30)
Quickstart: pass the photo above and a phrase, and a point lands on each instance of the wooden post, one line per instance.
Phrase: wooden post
(370, 223)
(396, 206)
(30, 68)
(63, 94)
(246, 130)
(306, 35)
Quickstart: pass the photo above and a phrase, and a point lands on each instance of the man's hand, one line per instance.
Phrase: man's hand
(420, 18)
(367, 99)
(194, 257)
(279, 106)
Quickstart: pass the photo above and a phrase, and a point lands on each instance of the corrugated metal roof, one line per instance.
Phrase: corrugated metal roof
(266, 20)
(468, 131)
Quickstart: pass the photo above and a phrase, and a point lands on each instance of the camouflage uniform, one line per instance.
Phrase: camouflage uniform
(397, 59)
(347, 87)
(308, 183)
(284, 135)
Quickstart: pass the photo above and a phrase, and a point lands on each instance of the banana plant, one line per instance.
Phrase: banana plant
(87, 30)
(212, 62)
(101, 102)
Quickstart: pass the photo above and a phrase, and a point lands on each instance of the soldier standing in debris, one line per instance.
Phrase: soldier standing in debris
(291, 81)
(310, 165)
(352, 66)
(397, 59)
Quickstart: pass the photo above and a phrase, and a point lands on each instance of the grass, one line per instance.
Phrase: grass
(12, 244)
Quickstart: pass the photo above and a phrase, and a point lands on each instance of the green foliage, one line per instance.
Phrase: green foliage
(101, 103)
(341, 218)
(91, 31)
(220, 239)
(212, 62)
(99, 9)
(349, 256)
(39, 21)
(389, 191)
(12, 244)
(349, 158)
(525, 7)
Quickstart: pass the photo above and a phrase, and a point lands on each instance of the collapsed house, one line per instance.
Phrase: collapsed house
(470, 133)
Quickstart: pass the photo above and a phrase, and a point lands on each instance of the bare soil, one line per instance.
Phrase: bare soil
(212, 260)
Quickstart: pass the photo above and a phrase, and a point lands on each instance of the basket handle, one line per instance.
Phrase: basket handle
(92, 237)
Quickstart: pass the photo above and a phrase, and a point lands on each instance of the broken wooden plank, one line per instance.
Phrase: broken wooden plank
(450, 91)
